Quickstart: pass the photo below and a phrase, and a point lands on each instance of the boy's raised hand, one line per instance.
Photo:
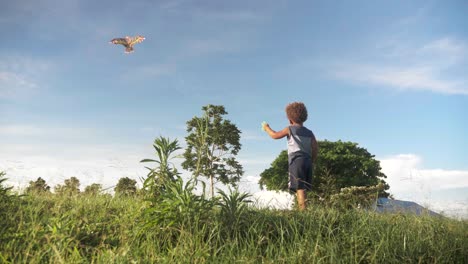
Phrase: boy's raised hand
(264, 124)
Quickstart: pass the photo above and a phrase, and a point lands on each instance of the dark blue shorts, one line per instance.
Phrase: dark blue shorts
(300, 174)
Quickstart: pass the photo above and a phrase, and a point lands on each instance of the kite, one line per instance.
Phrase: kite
(128, 42)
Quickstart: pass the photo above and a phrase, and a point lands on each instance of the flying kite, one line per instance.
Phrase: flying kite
(128, 42)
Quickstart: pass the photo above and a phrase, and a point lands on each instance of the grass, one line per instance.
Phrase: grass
(48, 228)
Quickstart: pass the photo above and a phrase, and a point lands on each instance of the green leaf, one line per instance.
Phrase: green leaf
(148, 160)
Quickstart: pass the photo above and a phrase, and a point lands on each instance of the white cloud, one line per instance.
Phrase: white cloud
(456, 209)
(408, 180)
(55, 153)
(21, 75)
(44, 133)
(11, 83)
(405, 174)
(264, 198)
(402, 78)
(103, 164)
(272, 199)
(428, 66)
(448, 48)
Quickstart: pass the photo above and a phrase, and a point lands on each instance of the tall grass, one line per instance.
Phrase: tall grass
(185, 228)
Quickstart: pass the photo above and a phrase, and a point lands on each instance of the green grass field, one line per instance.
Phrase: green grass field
(184, 228)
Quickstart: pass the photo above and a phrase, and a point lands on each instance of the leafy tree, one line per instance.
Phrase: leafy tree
(126, 187)
(339, 165)
(71, 187)
(164, 171)
(212, 146)
(93, 189)
(276, 176)
(38, 186)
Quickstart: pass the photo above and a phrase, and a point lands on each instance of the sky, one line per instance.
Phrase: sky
(388, 75)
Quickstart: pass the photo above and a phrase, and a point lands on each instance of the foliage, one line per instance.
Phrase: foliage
(276, 176)
(125, 187)
(4, 191)
(349, 165)
(339, 165)
(179, 206)
(356, 197)
(38, 186)
(8, 206)
(93, 189)
(212, 145)
(100, 229)
(234, 208)
(71, 187)
(68, 229)
(164, 171)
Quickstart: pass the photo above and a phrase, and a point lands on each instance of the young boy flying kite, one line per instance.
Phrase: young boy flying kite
(302, 150)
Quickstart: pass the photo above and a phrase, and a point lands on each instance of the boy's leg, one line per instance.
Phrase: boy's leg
(301, 199)
(300, 175)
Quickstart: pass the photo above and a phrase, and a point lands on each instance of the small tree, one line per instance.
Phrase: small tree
(212, 146)
(93, 189)
(71, 187)
(126, 187)
(164, 171)
(38, 186)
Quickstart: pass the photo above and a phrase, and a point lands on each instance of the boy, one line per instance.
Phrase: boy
(302, 150)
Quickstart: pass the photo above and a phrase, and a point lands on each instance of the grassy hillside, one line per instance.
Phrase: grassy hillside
(184, 228)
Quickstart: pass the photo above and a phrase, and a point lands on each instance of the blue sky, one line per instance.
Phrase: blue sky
(389, 75)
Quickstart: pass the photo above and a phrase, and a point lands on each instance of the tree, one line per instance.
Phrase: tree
(276, 176)
(71, 187)
(339, 165)
(164, 171)
(125, 187)
(93, 189)
(38, 186)
(212, 146)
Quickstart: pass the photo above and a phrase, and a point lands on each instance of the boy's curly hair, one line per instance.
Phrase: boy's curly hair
(297, 112)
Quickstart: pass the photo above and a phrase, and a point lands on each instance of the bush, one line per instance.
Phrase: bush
(356, 196)
(9, 204)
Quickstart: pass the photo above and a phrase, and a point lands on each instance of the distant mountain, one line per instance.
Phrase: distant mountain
(385, 205)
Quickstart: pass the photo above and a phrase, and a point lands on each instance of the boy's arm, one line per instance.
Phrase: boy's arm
(314, 149)
(276, 135)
